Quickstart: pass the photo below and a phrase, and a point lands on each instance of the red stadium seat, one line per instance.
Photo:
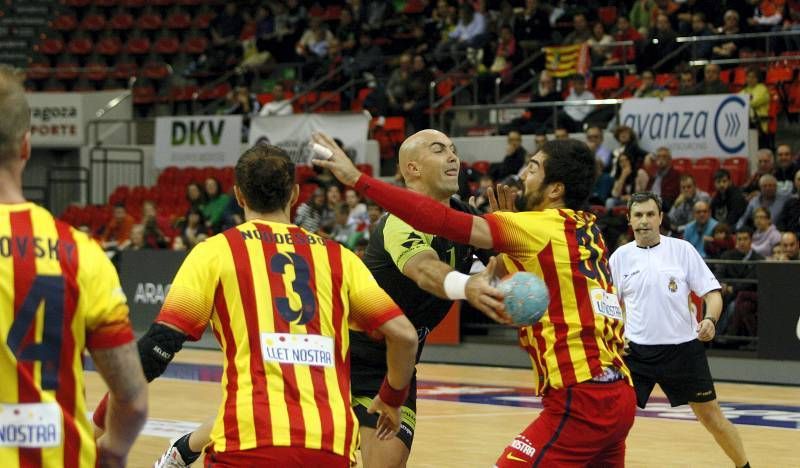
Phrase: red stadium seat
(39, 70)
(167, 45)
(708, 161)
(203, 20)
(67, 70)
(124, 70)
(779, 74)
(481, 166)
(178, 20)
(51, 46)
(137, 46)
(155, 70)
(122, 21)
(704, 178)
(96, 71)
(93, 22)
(80, 46)
(195, 45)
(607, 15)
(682, 165)
(620, 211)
(606, 85)
(738, 167)
(149, 22)
(145, 94)
(358, 102)
(66, 22)
(109, 46)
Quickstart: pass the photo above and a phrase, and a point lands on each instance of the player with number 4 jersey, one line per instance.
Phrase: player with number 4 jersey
(59, 295)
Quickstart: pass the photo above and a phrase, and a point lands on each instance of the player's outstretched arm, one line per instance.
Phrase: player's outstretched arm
(401, 354)
(127, 402)
(421, 212)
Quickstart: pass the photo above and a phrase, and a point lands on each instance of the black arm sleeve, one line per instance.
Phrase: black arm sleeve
(157, 348)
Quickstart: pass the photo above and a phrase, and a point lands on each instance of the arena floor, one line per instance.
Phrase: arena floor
(467, 415)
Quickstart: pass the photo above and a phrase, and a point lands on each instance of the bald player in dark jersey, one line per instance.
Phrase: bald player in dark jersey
(411, 266)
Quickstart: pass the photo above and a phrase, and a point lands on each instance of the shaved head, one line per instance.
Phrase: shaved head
(429, 163)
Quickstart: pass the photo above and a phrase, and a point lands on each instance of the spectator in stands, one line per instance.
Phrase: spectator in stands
(728, 204)
(711, 83)
(117, 233)
(766, 235)
(368, 59)
(309, 213)
(730, 26)
(766, 15)
(681, 212)
(374, 213)
(347, 32)
(785, 169)
(513, 160)
(153, 226)
(765, 164)
(790, 247)
(628, 144)
(240, 101)
(288, 18)
(661, 43)
(668, 8)
(225, 31)
(398, 88)
(789, 219)
(594, 139)
(768, 197)
(641, 14)
(314, 42)
(470, 33)
(759, 104)
(648, 87)
(599, 40)
(666, 182)
(721, 241)
(329, 67)
(137, 240)
(532, 27)
(342, 231)
(193, 229)
(739, 319)
(279, 105)
(195, 195)
(357, 216)
(603, 183)
(538, 119)
(688, 84)
(504, 58)
(580, 30)
(333, 198)
(376, 13)
(417, 102)
(216, 204)
(572, 117)
(622, 54)
(628, 180)
(699, 27)
(561, 133)
(701, 229)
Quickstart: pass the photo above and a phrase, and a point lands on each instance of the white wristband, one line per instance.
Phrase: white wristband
(455, 285)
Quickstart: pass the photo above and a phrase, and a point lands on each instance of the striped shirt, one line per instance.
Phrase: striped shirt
(59, 294)
(581, 332)
(280, 301)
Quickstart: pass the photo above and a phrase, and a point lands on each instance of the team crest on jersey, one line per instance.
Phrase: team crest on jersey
(673, 286)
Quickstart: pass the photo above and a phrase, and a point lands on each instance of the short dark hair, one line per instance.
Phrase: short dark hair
(746, 229)
(721, 174)
(265, 176)
(642, 197)
(570, 162)
(578, 77)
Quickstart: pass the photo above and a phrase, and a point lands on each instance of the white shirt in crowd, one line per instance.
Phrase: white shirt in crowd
(654, 285)
(281, 107)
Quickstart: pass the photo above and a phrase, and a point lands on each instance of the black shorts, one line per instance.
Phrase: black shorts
(408, 413)
(680, 370)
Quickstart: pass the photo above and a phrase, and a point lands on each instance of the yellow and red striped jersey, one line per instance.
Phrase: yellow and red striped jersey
(59, 294)
(582, 331)
(280, 301)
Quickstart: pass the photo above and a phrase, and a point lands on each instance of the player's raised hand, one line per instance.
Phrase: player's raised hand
(484, 296)
(339, 164)
(388, 419)
(504, 200)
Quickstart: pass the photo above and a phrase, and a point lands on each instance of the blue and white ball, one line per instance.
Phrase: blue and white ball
(526, 297)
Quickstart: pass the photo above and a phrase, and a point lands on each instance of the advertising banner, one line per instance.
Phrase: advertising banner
(691, 126)
(198, 141)
(57, 119)
(293, 132)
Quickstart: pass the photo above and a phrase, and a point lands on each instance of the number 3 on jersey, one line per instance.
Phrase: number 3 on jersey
(301, 286)
(49, 291)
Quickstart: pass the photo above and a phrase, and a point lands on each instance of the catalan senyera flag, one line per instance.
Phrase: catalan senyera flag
(567, 60)
(582, 331)
(280, 301)
(59, 294)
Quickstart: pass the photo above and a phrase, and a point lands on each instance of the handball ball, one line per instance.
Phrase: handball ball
(526, 297)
